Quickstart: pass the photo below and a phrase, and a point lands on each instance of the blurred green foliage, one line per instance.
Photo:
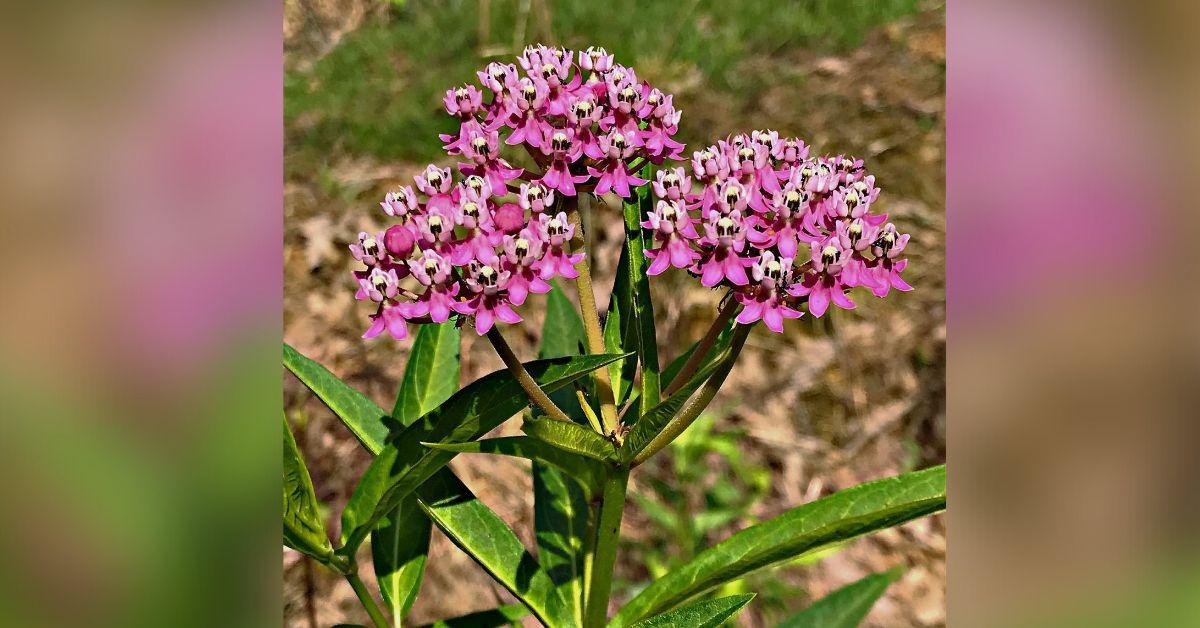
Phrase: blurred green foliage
(704, 487)
(378, 92)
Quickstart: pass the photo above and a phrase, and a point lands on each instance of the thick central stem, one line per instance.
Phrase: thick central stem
(591, 323)
(608, 534)
(368, 602)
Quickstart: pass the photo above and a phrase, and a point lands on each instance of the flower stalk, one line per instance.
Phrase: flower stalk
(368, 602)
(725, 312)
(591, 326)
(689, 412)
(535, 392)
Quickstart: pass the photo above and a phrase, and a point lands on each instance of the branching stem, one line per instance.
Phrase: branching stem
(535, 392)
(724, 313)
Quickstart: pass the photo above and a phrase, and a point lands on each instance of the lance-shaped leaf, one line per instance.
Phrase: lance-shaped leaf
(504, 616)
(571, 437)
(470, 413)
(813, 526)
(562, 482)
(400, 547)
(706, 614)
(366, 420)
(620, 330)
(303, 529)
(647, 427)
(643, 308)
(846, 607)
(588, 473)
(479, 532)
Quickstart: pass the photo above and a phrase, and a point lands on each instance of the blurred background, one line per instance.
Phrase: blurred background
(832, 403)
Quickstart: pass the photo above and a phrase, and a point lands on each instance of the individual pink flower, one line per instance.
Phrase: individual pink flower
(527, 99)
(482, 149)
(612, 173)
(671, 184)
(433, 272)
(596, 60)
(400, 203)
(369, 248)
(674, 232)
(824, 283)
(388, 317)
(785, 228)
(490, 301)
(521, 256)
(556, 232)
(563, 151)
(724, 240)
(764, 299)
(535, 197)
(887, 246)
(789, 152)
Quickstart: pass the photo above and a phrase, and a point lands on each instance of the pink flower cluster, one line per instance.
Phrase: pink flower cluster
(460, 249)
(583, 132)
(480, 246)
(776, 226)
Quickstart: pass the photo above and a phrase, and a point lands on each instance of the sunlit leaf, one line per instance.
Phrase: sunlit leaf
(587, 473)
(400, 547)
(653, 422)
(479, 532)
(635, 211)
(706, 614)
(620, 331)
(813, 526)
(846, 607)
(571, 437)
(366, 420)
(470, 413)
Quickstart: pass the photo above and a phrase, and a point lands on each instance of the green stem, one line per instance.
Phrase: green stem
(608, 533)
(591, 328)
(368, 602)
(689, 412)
(532, 390)
(726, 312)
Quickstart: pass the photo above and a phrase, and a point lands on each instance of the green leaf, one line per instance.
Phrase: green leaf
(366, 420)
(846, 607)
(620, 331)
(706, 614)
(504, 616)
(470, 413)
(400, 547)
(571, 437)
(479, 532)
(399, 550)
(643, 307)
(813, 526)
(303, 529)
(562, 482)
(432, 372)
(588, 473)
(651, 423)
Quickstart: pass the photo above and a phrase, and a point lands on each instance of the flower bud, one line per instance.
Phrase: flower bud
(398, 241)
(509, 218)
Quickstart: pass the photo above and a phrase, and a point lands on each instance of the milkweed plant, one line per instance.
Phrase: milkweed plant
(779, 231)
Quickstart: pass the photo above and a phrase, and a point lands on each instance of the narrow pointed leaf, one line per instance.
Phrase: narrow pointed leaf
(813, 526)
(643, 308)
(470, 413)
(487, 539)
(303, 529)
(366, 420)
(706, 614)
(509, 615)
(586, 472)
(400, 547)
(563, 482)
(571, 437)
(431, 375)
(846, 607)
(620, 331)
(647, 427)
